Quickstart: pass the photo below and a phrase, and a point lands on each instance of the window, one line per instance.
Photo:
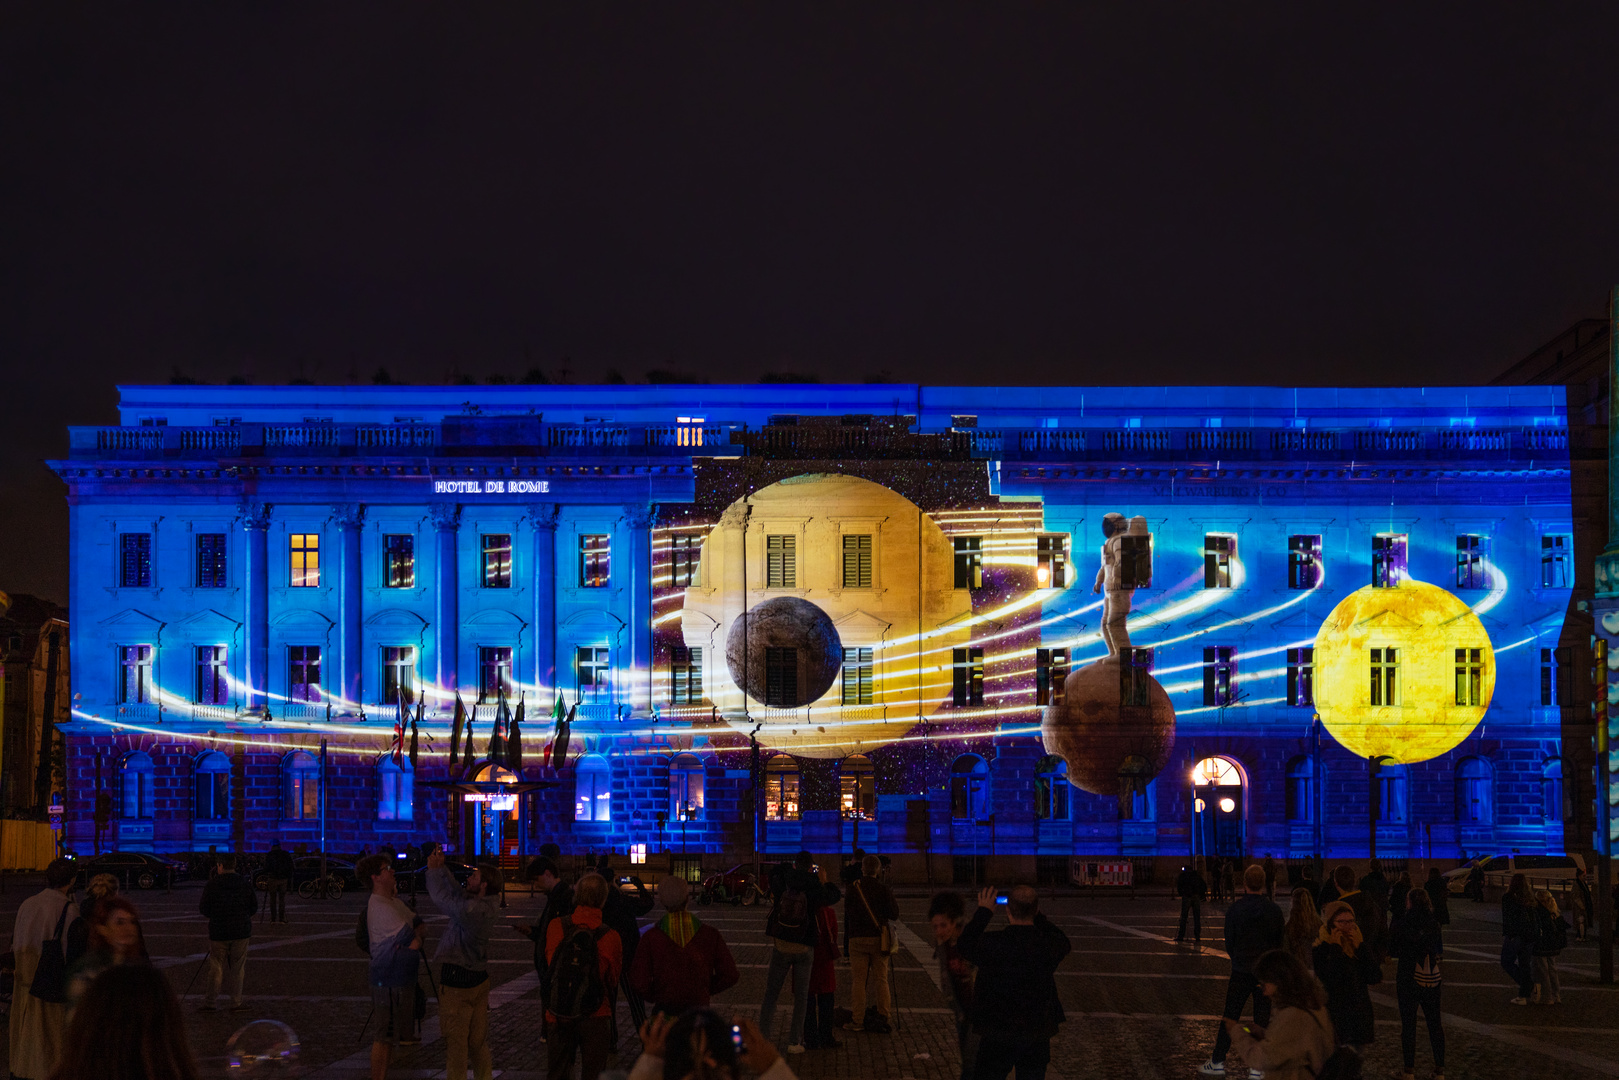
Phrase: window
(135, 686)
(494, 672)
(212, 797)
(1135, 562)
(969, 775)
(399, 674)
(781, 678)
(399, 559)
(686, 788)
(396, 790)
(1557, 676)
(969, 562)
(497, 560)
(1051, 788)
(1389, 790)
(1218, 551)
(137, 789)
(857, 783)
(1469, 677)
(1051, 562)
(685, 557)
(1219, 675)
(1473, 792)
(210, 560)
(594, 668)
(857, 562)
(968, 676)
(690, 430)
(592, 789)
(595, 557)
(1303, 561)
(781, 562)
(213, 684)
(1385, 677)
(135, 562)
(300, 787)
(1301, 676)
(1556, 555)
(1135, 678)
(857, 676)
(1143, 805)
(781, 788)
(1388, 560)
(1471, 553)
(303, 673)
(1050, 673)
(1552, 806)
(305, 553)
(686, 675)
(1301, 791)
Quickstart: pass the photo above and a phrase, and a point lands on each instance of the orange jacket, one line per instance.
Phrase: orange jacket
(609, 952)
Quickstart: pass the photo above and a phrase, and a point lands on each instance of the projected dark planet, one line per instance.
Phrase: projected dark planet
(1111, 749)
(785, 622)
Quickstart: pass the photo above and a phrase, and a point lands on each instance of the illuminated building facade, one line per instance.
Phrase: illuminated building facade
(815, 616)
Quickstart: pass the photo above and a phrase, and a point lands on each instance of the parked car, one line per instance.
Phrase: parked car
(736, 886)
(1543, 871)
(133, 869)
(307, 868)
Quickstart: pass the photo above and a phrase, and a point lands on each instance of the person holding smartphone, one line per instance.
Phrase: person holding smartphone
(1015, 1008)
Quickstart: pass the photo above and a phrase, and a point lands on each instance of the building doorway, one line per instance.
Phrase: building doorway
(492, 816)
(1219, 820)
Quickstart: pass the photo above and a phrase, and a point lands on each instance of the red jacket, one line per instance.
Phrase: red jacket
(609, 951)
(681, 963)
(823, 971)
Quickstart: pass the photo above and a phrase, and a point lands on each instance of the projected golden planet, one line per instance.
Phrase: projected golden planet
(1405, 672)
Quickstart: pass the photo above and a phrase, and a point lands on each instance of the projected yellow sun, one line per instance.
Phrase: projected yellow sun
(1406, 672)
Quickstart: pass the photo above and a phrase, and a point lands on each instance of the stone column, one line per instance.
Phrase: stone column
(446, 598)
(638, 521)
(256, 618)
(542, 521)
(350, 518)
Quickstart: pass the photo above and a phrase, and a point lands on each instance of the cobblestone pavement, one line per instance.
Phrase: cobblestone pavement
(1138, 1005)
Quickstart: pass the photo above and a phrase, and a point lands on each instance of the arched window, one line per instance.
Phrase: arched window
(396, 790)
(212, 787)
(1391, 793)
(1051, 788)
(781, 788)
(1551, 791)
(858, 783)
(969, 776)
(686, 788)
(593, 789)
(300, 787)
(1473, 792)
(135, 776)
(1301, 790)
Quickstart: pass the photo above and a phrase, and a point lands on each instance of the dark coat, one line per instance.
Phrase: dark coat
(229, 902)
(786, 876)
(1439, 892)
(681, 977)
(857, 920)
(278, 864)
(1349, 1002)
(1253, 926)
(1016, 989)
(1518, 920)
(558, 903)
(622, 912)
(1189, 885)
(1414, 936)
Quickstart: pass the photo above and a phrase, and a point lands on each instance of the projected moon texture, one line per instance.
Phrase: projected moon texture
(785, 623)
(1111, 748)
(1443, 671)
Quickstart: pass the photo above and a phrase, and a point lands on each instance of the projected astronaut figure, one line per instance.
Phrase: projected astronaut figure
(1126, 566)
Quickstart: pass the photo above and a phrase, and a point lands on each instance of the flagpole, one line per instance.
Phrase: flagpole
(323, 808)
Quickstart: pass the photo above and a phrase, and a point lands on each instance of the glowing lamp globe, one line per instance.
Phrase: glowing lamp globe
(1443, 680)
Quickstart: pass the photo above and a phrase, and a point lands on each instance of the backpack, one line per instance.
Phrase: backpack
(1555, 940)
(577, 989)
(790, 918)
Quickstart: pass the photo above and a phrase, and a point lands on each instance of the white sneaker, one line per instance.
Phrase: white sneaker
(796, 1048)
(1212, 1068)
(1256, 1074)
(1520, 1001)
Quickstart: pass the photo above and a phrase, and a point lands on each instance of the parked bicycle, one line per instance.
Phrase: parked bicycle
(329, 887)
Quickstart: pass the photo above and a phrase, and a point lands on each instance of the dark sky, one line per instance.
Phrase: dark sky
(927, 192)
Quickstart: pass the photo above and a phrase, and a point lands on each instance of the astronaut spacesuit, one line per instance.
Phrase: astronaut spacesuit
(1116, 582)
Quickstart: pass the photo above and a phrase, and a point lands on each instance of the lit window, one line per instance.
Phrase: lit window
(139, 792)
(1135, 678)
(1385, 677)
(1218, 551)
(1219, 676)
(1301, 676)
(212, 792)
(781, 789)
(399, 557)
(497, 560)
(969, 562)
(1051, 562)
(1469, 676)
(1557, 676)
(1051, 788)
(967, 676)
(1556, 553)
(135, 562)
(686, 675)
(1303, 561)
(1050, 673)
(1471, 553)
(969, 777)
(1473, 792)
(690, 430)
(781, 562)
(595, 556)
(686, 788)
(594, 668)
(210, 560)
(305, 551)
(857, 784)
(399, 674)
(303, 678)
(857, 676)
(857, 562)
(213, 684)
(781, 678)
(684, 559)
(592, 789)
(1388, 560)
(135, 686)
(396, 790)
(494, 672)
(300, 787)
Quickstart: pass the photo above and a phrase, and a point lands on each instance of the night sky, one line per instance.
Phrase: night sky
(1013, 193)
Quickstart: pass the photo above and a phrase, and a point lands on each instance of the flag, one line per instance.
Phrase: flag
(455, 730)
(414, 722)
(559, 751)
(399, 729)
(497, 734)
(467, 752)
(514, 739)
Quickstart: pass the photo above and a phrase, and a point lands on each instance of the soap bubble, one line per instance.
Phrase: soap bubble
(262, 1048)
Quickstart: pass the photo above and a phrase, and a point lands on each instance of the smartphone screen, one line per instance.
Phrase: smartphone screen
(1000, 898)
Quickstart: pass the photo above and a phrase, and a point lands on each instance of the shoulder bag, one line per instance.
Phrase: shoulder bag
(50, 977)
(885, 938)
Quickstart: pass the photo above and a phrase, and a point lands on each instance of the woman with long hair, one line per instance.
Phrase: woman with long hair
(702, 1045)
(114, 937)
(1346, 963)
(1416, 942)
(1551, 937)
(1303, 926)
(128, 1027)
(1438, 890)
(1518, 937)
(1300, 1037)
